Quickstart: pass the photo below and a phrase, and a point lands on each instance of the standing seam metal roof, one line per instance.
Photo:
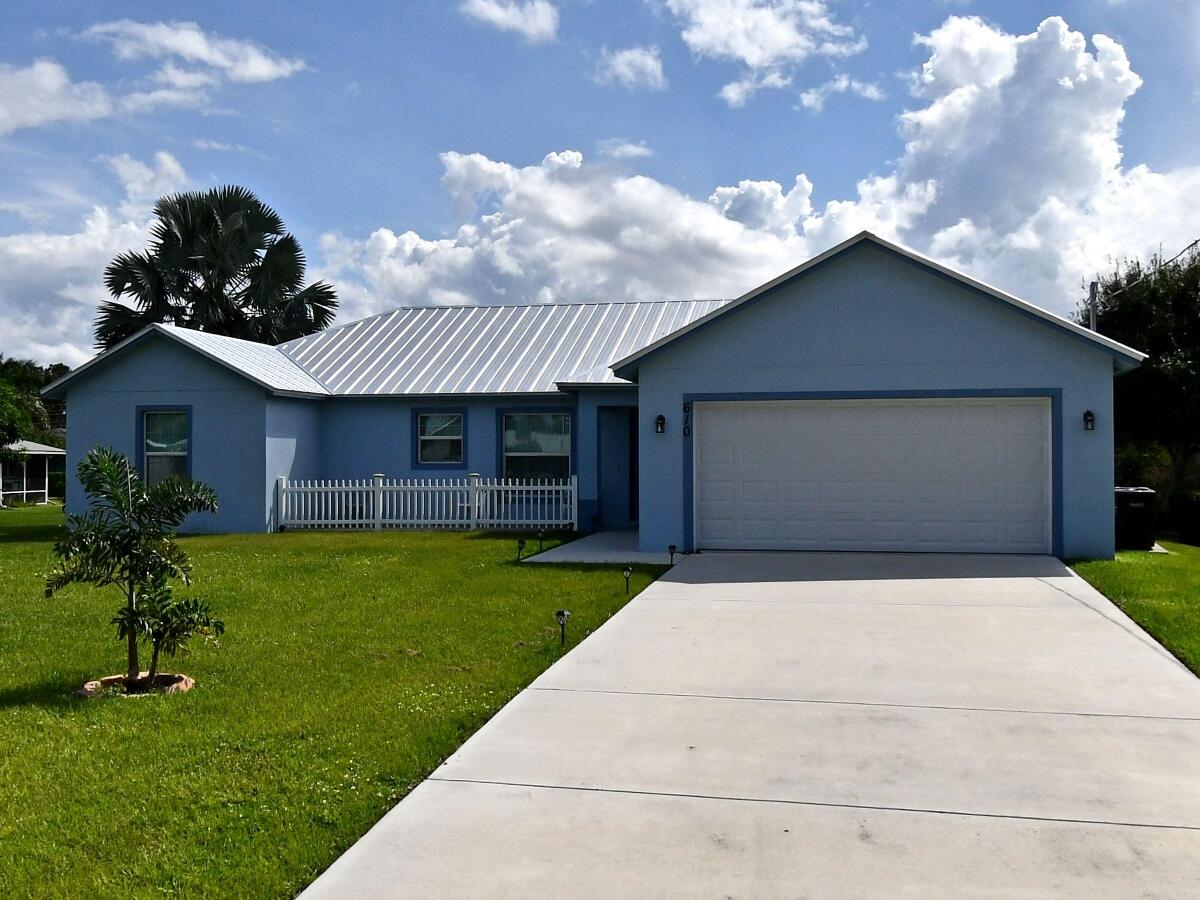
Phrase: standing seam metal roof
(451, 350)
(525, 349)
(259, 362)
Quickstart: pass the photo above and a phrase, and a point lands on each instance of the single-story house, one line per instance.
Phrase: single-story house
(26, 473)
(869, 399)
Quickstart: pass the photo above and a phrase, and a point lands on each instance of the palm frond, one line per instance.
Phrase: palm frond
(116, 321)
(174, 499)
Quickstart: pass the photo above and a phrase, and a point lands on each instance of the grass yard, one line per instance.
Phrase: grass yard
(1161, 592)
(352, 666)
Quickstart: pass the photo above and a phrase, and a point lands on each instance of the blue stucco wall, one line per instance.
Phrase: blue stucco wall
(363, 436)
(293, 444)
(244, 438)
(871, 321)
(228, 417)
(588, 446)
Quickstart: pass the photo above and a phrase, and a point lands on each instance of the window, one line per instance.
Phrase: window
(165, 438)
(440, 439)
(537, 445)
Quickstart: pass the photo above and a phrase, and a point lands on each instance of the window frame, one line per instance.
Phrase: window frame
(142, 455)
(461, 412)
(502, 414)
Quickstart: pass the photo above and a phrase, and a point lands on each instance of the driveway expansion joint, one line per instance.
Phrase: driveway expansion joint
(985, 709)
(816, 803)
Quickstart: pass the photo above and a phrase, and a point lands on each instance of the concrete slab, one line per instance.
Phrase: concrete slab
(1085, 768)
(613, 547)
(979, 657)
(503, 841)
(834, 725)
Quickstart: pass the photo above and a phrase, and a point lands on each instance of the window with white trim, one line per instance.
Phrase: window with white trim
(537, 445)
(165, 445)
(440, 439)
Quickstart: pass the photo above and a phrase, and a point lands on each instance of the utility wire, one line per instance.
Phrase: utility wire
(1161, 265)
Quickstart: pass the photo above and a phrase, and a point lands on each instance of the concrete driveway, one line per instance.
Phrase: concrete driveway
(822, 725)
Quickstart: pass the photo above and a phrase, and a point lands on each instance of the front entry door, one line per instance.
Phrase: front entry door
(618, 466)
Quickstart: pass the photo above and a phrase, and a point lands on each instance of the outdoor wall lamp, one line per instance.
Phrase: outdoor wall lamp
(660, 425)
(1089, 421)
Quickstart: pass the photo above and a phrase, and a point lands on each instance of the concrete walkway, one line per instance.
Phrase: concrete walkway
(822, 725)
(613, 547)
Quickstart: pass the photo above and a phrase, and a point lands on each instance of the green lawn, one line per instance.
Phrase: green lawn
(352, 665)
(1161, 592)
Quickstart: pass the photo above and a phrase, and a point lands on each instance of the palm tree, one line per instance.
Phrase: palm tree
(127, 539)
(220, 261)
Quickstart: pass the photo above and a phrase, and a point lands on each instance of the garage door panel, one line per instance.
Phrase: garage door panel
(970, 475)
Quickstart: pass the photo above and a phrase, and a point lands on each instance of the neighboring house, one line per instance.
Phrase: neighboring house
(870, 399)
(27, 477)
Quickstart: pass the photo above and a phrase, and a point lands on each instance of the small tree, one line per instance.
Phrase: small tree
(127, 539)
(167, 624)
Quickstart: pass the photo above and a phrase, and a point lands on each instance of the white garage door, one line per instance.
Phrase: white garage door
(910, 475)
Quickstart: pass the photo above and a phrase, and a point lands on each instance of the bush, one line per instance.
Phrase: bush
(1142, 465)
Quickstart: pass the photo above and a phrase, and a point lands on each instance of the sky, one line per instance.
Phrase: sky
(513, 151)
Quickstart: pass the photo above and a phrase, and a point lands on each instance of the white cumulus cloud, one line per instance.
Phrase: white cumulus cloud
(635, 68)
(770, 39)
(616, 148)
(534, 20)
(51, 282)
(186, 42)
(814, 98)
(43, 92)
(738, 93)
(144, 182)
(763, 205)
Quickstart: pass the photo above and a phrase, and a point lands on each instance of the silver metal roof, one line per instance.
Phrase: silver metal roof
(510, 349)
(261, 363)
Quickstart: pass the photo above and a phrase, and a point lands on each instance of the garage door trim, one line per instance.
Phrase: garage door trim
(1053, 394)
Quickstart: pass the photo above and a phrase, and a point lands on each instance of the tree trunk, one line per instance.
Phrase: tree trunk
(133, 669)
(153, 662)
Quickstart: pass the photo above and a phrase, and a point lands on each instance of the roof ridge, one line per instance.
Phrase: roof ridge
(181, 329)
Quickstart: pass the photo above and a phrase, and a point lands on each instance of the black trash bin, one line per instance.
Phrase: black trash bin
(1135, 518)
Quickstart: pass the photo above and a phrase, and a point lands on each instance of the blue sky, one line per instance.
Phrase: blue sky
(1012, 146)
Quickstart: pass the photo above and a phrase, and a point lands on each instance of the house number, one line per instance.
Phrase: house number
(687, 419)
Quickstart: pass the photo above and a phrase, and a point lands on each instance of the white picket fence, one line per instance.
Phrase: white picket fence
(466, 503)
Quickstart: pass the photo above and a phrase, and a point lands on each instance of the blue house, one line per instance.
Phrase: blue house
(869, 399)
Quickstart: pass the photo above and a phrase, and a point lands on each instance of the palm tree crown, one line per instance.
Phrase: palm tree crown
(220, 261)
